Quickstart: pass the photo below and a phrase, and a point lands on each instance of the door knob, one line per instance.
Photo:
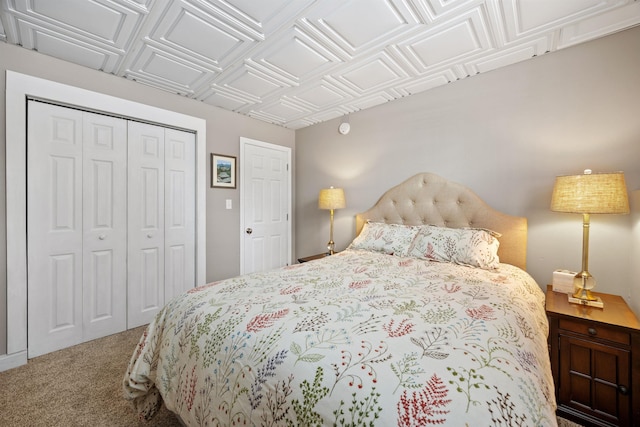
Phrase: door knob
(150, 235)
(102, 237)
(248, 231)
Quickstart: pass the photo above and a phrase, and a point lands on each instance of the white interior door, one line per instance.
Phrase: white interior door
(145, 223)
(104, 216)
(54, 227)
(266, 206)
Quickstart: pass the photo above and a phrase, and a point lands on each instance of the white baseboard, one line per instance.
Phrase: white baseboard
(10, 361)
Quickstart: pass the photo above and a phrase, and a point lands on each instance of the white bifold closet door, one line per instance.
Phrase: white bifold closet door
(76, 226)
(161, 218)
(110, 232)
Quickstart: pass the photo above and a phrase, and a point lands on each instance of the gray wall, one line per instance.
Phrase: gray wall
(224, 130)
(506, 134)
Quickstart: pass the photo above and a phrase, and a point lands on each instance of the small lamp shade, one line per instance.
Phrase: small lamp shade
(597, 193)
(331, 198)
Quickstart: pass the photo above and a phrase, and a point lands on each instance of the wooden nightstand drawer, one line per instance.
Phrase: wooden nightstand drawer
(595, 330)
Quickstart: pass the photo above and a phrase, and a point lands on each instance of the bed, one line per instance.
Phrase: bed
(428, 317)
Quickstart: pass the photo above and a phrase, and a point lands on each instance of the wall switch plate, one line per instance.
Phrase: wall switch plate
(229, 204)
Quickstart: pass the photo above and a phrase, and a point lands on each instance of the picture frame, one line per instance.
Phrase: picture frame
(223, 171)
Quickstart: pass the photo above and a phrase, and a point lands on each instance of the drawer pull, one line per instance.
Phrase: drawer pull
(592, 331)
(623, 390)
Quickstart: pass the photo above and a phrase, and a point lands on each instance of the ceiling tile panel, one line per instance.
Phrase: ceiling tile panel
(192, 33)
(165, 70)
(58, 47)
(320, 95)
(341, 23)
(426, 83)
(381, 20)
(110, 22)
(296, 63)
(227, 98)
(251, 82)
(295, 55)
(279, 112)
(323, 116)
(146, 80)
(90, 17)
(432, 10)
(283, 110)
(510, 56)
(370, 101)
(163, 67)
(200, 35)
(258, 11)
(223, 101)
(600, 25)
(526, 17)
(302, 123)
(533, 17)
(440, 46)
(458, 41)
(66, 48)
(373, 73)
(263, 17)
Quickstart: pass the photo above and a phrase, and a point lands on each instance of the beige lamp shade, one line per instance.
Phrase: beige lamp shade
(331, 198)
(591, 193)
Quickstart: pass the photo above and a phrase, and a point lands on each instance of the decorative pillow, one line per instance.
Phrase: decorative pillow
(466, 246)
(392, 239)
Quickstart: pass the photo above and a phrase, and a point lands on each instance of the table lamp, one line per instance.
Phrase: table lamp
(331, 198)
(590, 193)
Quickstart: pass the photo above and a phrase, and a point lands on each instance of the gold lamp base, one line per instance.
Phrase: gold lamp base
(331, 248)
(583, 283)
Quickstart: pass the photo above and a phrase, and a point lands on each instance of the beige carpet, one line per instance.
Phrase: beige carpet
(79, 386)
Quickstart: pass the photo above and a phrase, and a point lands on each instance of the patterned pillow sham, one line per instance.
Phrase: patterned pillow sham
(391, 239)
(465, 246)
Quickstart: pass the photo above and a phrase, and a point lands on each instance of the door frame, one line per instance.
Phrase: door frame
(19, 87)
(248, 141)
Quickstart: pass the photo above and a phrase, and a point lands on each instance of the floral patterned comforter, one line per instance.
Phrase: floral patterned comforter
(358, 338)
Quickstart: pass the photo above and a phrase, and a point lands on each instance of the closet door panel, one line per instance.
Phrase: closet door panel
(105, 225)
(111, 223)
(146, 244)
(54, 227)
(179, 212)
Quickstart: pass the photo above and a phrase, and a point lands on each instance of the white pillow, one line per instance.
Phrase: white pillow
(391, 239)
(465, 246)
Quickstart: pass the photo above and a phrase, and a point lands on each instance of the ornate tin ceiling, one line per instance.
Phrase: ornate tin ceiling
(299, 62)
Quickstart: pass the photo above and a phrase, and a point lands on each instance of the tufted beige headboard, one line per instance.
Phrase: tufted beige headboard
(427, 198)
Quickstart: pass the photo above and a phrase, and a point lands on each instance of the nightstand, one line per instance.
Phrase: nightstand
(312, 257)
(595, 360)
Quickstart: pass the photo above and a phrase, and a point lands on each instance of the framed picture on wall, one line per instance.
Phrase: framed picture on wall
(223, 171)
